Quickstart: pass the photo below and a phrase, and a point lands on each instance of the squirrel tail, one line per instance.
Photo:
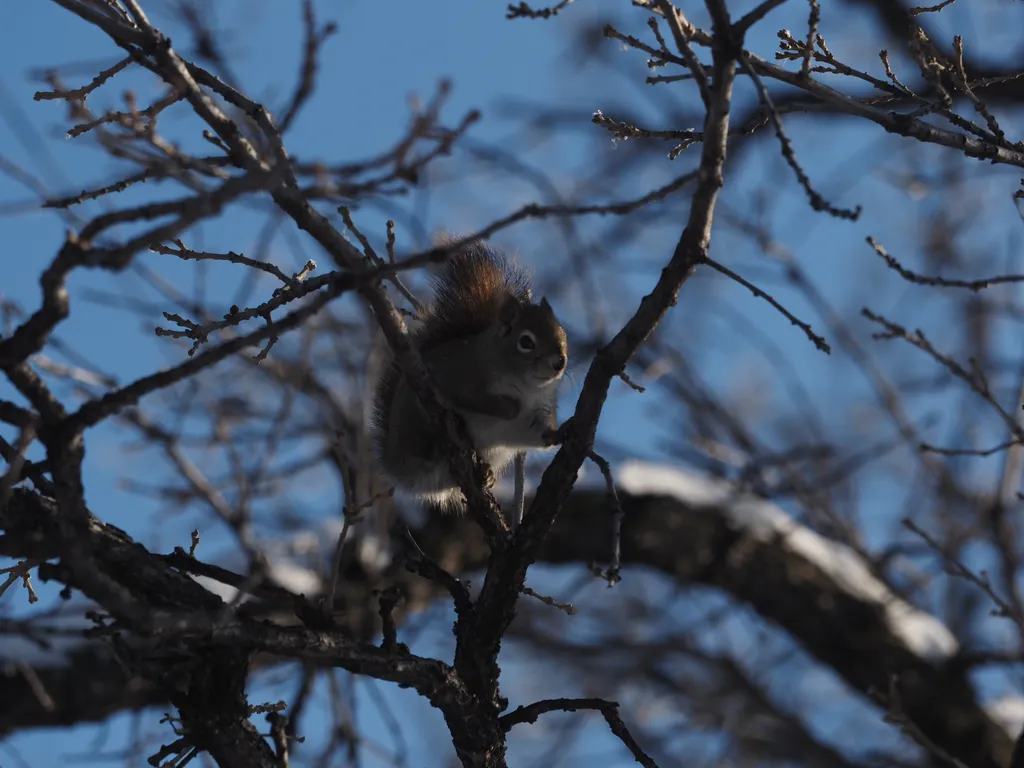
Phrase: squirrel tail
(470, 288)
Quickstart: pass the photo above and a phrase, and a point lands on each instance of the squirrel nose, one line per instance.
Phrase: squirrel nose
(558, 363)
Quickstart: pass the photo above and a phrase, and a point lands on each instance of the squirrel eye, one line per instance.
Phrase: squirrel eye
(527, 342)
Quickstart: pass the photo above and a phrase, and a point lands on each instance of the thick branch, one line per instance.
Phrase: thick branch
(476, 660)
(691, 545)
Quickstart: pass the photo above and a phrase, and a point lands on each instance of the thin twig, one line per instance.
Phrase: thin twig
(524, 11)
(814, 17)
(956, 568)
(818, 202)
(307, 78)
(236, 258)
(389, 599)
(81, 94)
(817, 340)
(612, 574)
(16, 463)
(914, 277)
(423, 565)
(919, 9)
(748, 20)
(609, 709)
(975, 378)
(279, 735)
(632, 384)
(569, 608)
(22, 571)
(682, 31)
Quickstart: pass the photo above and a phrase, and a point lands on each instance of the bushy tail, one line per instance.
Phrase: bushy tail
(468, 291)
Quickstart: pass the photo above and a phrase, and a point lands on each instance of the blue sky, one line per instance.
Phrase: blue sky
(374, 63)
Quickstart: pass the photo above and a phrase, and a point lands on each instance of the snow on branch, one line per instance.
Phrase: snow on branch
(922, 633)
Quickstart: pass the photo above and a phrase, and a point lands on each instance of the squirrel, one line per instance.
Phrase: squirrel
(494, 355)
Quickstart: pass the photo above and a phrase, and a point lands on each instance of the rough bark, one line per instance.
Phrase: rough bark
(692, 546)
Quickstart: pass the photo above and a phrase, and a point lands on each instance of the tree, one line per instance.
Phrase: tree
(759, 562)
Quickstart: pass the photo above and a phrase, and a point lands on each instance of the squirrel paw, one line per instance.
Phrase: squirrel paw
(557, 436)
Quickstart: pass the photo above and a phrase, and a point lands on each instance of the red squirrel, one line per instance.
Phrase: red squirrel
(497, 357)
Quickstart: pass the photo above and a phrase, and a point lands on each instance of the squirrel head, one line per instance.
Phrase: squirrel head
(530, 342)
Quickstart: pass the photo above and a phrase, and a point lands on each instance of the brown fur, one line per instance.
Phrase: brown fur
(478, 291)
(468, 292)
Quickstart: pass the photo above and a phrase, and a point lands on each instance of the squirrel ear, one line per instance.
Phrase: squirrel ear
(508, 314)
(544, 304)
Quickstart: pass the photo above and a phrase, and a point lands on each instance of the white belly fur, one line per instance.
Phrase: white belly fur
(498, 440)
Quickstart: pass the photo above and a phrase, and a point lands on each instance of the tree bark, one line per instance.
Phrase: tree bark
(691, 545)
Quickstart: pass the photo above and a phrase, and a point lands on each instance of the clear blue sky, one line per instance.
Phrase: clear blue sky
(382, 54)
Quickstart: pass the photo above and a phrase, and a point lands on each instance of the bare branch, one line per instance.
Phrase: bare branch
(608, 709)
